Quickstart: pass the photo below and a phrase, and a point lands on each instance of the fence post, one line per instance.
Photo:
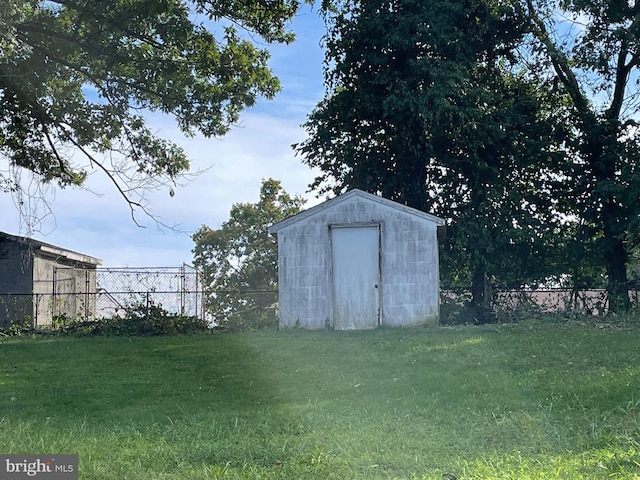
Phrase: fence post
(54, 299)
(182, 287)
(86, 295)
(199, 301)
(148, 306)
(35, 301)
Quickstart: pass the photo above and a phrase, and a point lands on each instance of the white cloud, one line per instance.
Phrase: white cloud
(99, 224)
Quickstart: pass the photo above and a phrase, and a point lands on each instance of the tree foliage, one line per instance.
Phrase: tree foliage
(515, 119)
(590, 51)
(239, 260)
(77, 76)
(424, 107)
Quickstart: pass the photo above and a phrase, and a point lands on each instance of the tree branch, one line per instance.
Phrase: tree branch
(61, 164)
(95, 80)
(561, 65)
(133, 205)
(622, 77)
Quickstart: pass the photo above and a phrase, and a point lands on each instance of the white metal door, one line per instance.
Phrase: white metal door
(356, 277)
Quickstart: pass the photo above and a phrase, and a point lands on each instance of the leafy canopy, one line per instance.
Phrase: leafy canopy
(589, 51)
(423, 108)
(239, 260)
(514, 119)
(77, 76)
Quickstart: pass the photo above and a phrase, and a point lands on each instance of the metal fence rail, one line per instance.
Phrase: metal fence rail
(88, 294)
(176, 289)
(557, 300)
(35, 309)
(592, 301)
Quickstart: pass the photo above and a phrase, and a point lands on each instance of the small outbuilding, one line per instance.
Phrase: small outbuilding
(358, 261)
(39, 281)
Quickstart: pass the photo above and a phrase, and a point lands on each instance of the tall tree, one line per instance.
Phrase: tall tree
(422, 108)
(590, 49)
(239, 260)
(76, 77)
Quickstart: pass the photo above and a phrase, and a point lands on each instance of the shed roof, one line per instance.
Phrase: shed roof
(276, 227)
(49, 250)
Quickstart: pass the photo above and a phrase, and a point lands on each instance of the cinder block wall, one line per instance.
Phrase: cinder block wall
(409, 266)
(304, 259)
(410, 273)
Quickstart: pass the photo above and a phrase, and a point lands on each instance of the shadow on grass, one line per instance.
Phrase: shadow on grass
(411, 403)
(197, 401)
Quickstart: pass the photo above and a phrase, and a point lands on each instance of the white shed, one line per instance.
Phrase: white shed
(358, 261)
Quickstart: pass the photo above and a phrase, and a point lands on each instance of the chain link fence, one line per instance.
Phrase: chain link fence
(510, 305)
(90, 294)
(177, 290)
(552, 301)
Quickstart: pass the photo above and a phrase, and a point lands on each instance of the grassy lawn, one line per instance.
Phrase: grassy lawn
(507, 402)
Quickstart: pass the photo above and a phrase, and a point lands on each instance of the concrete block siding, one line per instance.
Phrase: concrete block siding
(27, 283)
(409, 272)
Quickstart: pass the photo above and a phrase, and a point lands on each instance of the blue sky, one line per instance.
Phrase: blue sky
(98, 222)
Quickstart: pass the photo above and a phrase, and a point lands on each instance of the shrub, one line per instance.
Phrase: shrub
(250, 321)
(19, 328)
(139, 319)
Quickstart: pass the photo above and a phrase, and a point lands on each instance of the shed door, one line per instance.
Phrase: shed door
(356, 277)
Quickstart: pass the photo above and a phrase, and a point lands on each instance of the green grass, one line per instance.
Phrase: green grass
(529, 401)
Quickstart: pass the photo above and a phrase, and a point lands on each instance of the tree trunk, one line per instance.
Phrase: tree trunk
(616, 264)
(602, 152)
(481, 296)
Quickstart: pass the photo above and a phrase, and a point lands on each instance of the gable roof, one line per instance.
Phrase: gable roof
(49, 250)
(276, 227)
